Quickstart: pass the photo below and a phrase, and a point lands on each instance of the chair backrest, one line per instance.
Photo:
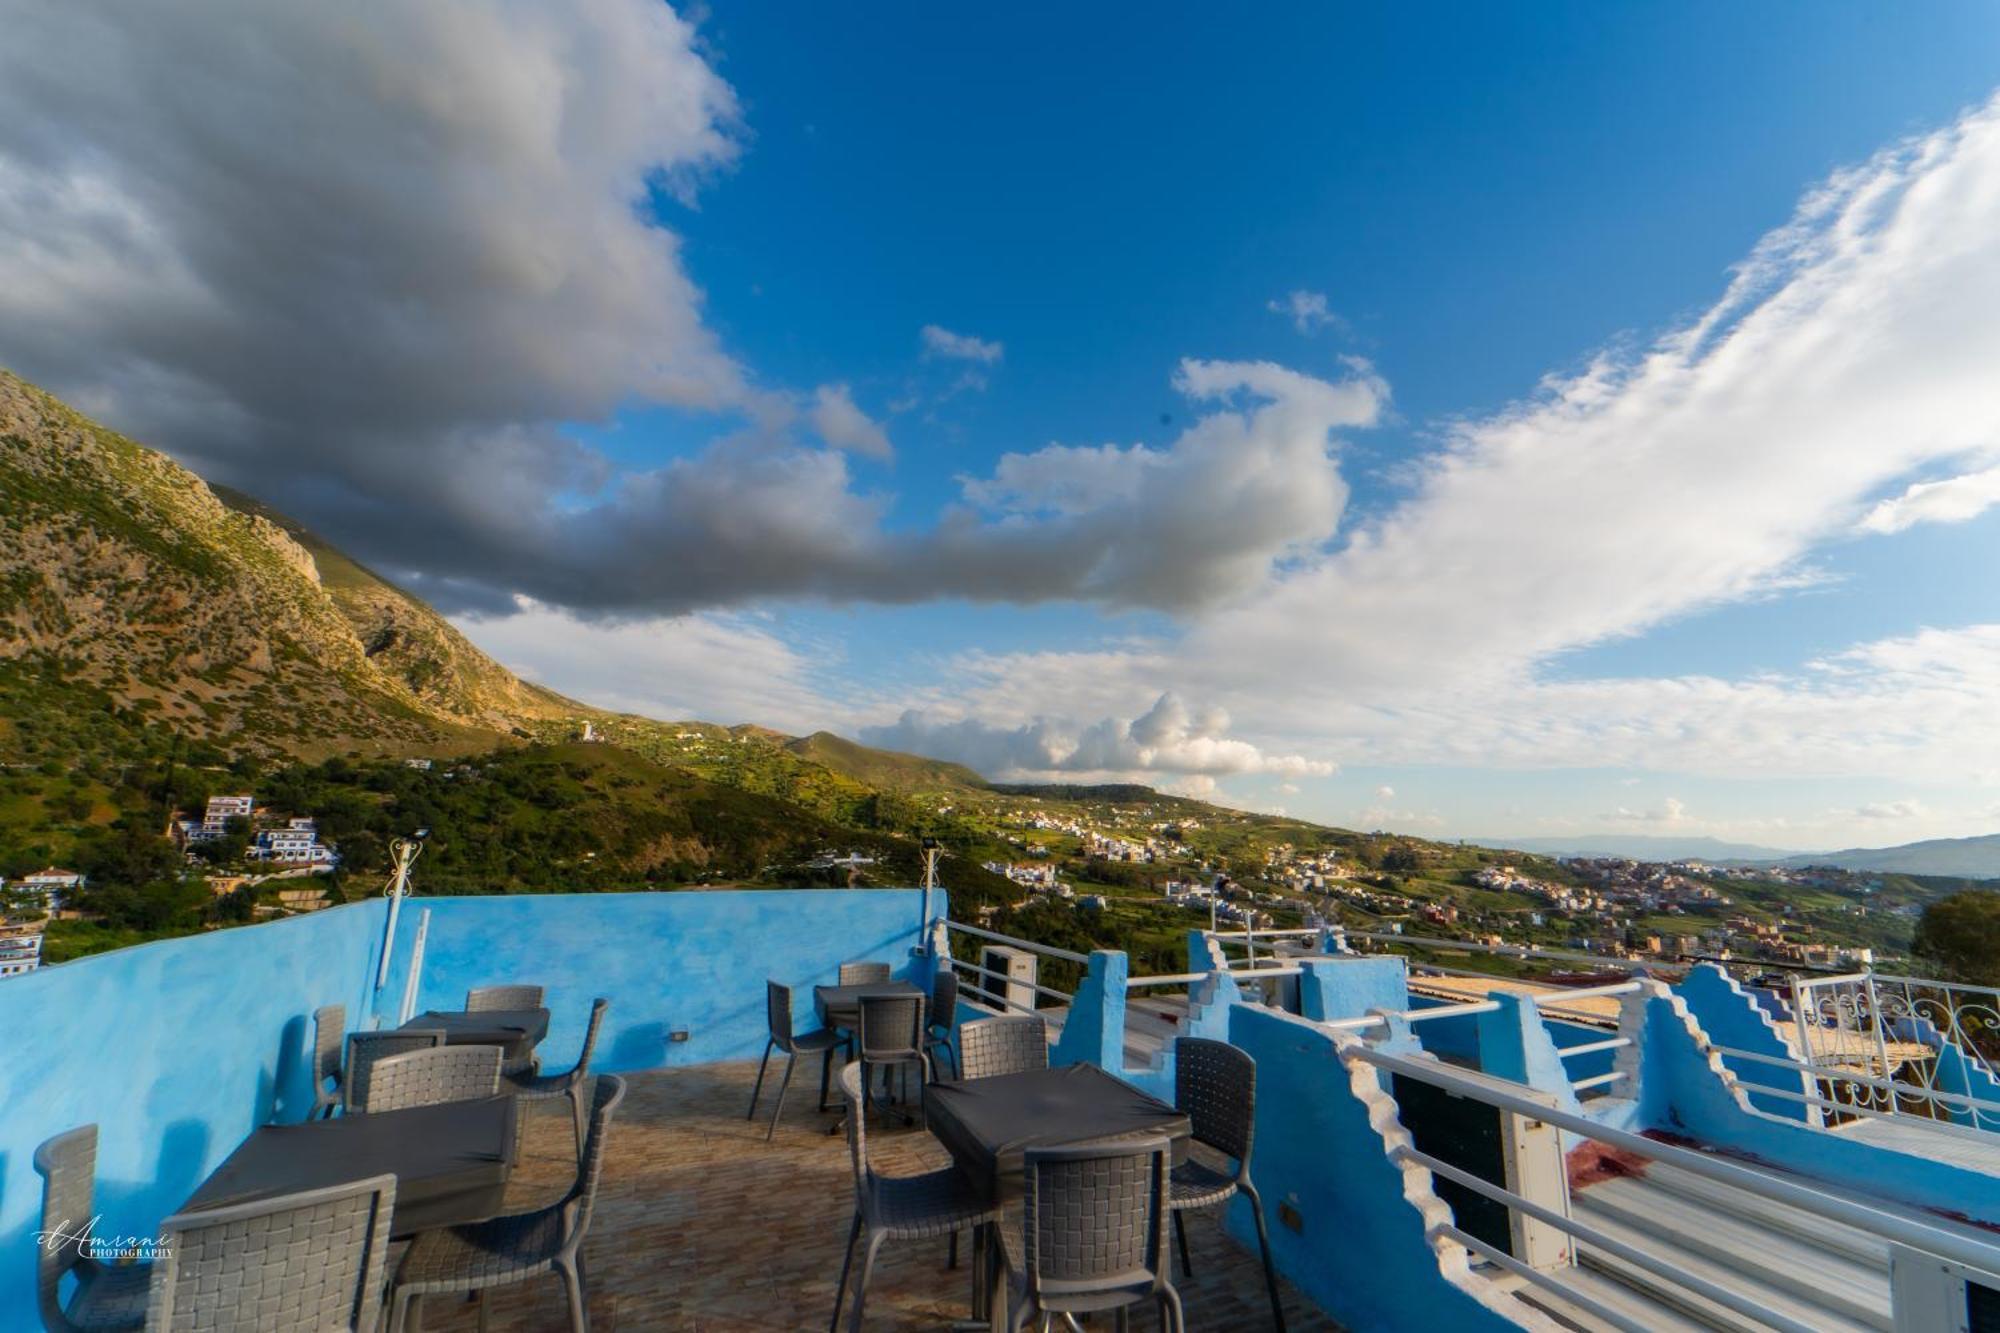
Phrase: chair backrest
(1215, 1087)
(598, 1007)
(862, 974)
(944, 1000)
(1010, 1045)
(604, 1101)
(425, 1078)
(311, 1260)
(365, 1048)
(329, 1027)
(857, 1132)
(68, 1165)
(890, 1025)
(484, 998)
(778, 1012)
(1094, 1217)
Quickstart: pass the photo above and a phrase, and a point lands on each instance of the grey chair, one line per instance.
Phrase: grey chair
(484, 999)
(311, 1260)
(1092, 1234)
(1215, 1086)
(107, 1296)
(329, 1031)
(426, 1078)
(1010, 1045)
(941, 1018)
(890, 1036)
(778, 1018)
(531, 1085)
(862, 974)
(365, 1048)
(514, 1249)
(935, 1204)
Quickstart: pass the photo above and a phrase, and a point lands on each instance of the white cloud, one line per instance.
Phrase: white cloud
(1673, 811)
(712, 668)
(1950, 501)
(844, 426)
(1308, 311)
(1168, 738)
(1385, 793)
(942, 343)
(1891, 810)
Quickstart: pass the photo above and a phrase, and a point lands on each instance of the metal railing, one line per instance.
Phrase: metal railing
(1893, 1228)
(1875, 1038)
(1000, 987)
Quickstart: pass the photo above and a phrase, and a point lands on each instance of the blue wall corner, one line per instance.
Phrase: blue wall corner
(1732, 1017)
(1333, 988)
(1094, 1032)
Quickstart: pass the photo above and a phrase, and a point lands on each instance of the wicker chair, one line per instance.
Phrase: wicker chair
(484, 999)
(941, 1018)
(514, 1249)
(530, 1085)
(365, 1048)
(329, 1028)
(778, 1017)
(1215, 1086)
(935, 1204)
(1092, 1235)
(890, 1035)
(311, 1260)
(107, 1296)
(1009, 1045)
(425, 1078)
(862, 974)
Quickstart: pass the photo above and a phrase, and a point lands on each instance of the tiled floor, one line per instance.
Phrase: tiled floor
(702, 1225)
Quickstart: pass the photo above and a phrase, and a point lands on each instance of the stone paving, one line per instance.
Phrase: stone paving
(703, 1226)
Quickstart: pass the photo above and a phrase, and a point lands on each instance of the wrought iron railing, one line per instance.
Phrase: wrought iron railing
(1877, 1041)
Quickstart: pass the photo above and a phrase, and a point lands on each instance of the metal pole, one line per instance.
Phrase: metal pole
(409, 1008)
(405, 851)
(1814, 1114)
(1881, 1041)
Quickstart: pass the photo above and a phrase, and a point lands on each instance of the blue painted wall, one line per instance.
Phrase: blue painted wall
(1360, 1253)
(665, 960)
(1334, 988)
(1732, 1017)
(177, 1050)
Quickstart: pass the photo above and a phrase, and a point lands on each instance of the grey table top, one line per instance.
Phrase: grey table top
(840, 1006)
(519, 1030)
(988, 1124)
(451, 1161)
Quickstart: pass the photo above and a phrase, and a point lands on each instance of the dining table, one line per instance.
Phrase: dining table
(989, 1124)
(451, 1161)
(517, 1031)
(840, 1006)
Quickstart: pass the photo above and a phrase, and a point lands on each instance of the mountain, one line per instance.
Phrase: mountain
(882, 768)
(1641, 847)
(1964, 858)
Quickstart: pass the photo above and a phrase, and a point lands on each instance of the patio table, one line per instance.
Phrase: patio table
(519, 1031)
(988, 1125)
(840, 1006)
(451, 1161)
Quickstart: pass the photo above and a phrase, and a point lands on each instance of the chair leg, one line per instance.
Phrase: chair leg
(575, 1095)
(874, 1246)
(1264, 1246)
(758, 1088)
(791, 1061)
(951, 1252)
(1176, 1322)
(825, 1077)
(404, 1317)
(579, 1317)
(1180, 1237)
(846, 1264)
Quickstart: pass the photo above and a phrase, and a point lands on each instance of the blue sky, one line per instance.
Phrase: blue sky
(1422, 511)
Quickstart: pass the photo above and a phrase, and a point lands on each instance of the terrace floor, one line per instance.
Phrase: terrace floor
(701, 1225)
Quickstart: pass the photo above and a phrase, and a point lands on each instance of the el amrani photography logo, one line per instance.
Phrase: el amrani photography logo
(104, 1249)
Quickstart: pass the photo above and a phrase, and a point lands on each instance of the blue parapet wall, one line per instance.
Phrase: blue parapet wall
(177, 1050)
(689, 961)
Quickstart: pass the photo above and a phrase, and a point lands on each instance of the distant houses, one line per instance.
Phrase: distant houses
(288, 842)
(21, 933)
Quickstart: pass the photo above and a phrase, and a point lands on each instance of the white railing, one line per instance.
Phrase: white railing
(1894, 1228)
(1502, 950)
(1000, 986)
(1872, 1036)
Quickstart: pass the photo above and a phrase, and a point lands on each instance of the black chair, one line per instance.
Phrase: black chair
(890, 1036)
(1215, 1086)
(941, 1021)
(778, 1016)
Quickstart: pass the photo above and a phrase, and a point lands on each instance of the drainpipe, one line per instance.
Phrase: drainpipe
(406, 851)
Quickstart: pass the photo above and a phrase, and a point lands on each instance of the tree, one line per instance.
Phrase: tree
(1961, 934)
(1402, 859)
